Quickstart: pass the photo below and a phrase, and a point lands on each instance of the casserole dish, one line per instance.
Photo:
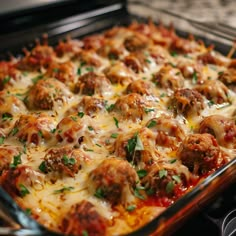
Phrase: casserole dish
(175, 214)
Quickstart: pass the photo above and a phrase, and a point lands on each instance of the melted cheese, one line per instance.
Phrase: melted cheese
(47, 203)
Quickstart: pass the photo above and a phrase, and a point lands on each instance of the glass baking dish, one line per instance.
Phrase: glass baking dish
(15, 221)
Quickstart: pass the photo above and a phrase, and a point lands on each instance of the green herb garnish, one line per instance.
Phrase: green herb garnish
(62, 190)
(131, 208)
(23, 190)
(162, 173)
(151, 124)
(141, 173)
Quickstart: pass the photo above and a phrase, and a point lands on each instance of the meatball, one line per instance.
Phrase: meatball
(83, 217)
(38, 57)
(164, 180)
(136, 61)
(214, 90)
(75, 130)
(168, 131)
(64, 72)
(169, 77)
(17, 181)
(10, 108)
(119, 74)
(181, 45)
(94, 42)
(34, 128)
(212, 57)
(70, 47)
(63, 160)
(137, 147)
(46, 93)
(200, 153)
(111, 49)
(89, 58)
(8, 155)
(228, 77)
(136, 42)
(113, 180)
(222, 128)
(187, 102)
(141, 87)
(92, 83)
(8, 74)
(90, 106)
(131, 106)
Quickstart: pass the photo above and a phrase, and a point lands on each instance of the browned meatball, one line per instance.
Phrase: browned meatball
(137, 147)
(38, 57)
(200, 153)
(182, 45)
(34, 128)
(62, 160)
(10, 108)
(214, 90)
(64, 72)
(141, 87)
(94, 42)
(89, 58)
(90, 106)
(131, 106)
(113, 180)
(70, 47)
(9, 155)
(167, 130)
(92, 83)
(136, 61)
(119, 74)
(45, 93)
(187, 102)
(211, 57)
(17, 181)
(136, 42)
(222, 128)
(8, 74)
(75, 130)
(228, 77)
(83, 217)
(163, 180)
(169, 77)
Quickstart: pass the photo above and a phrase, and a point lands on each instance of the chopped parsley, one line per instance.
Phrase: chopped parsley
(116, 122)
(42, 167)
(176, 178)
(172, 161)
(134, 144)
(162, 95)
(99, 193)
(90, 128)
(37, 78)
(74, 118)
(151, 124)
(98, 145)
(53, 130)
(80, 114)
(6, 79)
(85, 233)
(170, 187)
(89, 69)
(147, 60)
(2, 140)
(28, 211)
(210, 103)
(56, 70)
(131, 208)
(79, 71)
(110, 107)
(137, 193)
(195, 78)
(174, 54)
(16, 161)
(141, 173)
(114, 135)
(162, 173)
(68, 161)
(147, 110)
(14, 131)
(23, 190)
(64, 189)
(40, 133)
(6, 116)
